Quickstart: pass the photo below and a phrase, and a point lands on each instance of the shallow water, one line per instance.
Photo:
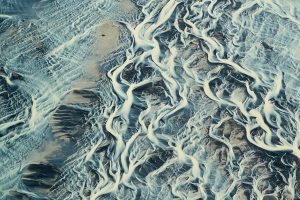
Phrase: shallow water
(140, 99)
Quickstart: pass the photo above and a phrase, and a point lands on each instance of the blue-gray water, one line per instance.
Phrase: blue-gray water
(150, 99)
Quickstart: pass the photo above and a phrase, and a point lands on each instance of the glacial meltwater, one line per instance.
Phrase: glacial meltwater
(149, 99)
